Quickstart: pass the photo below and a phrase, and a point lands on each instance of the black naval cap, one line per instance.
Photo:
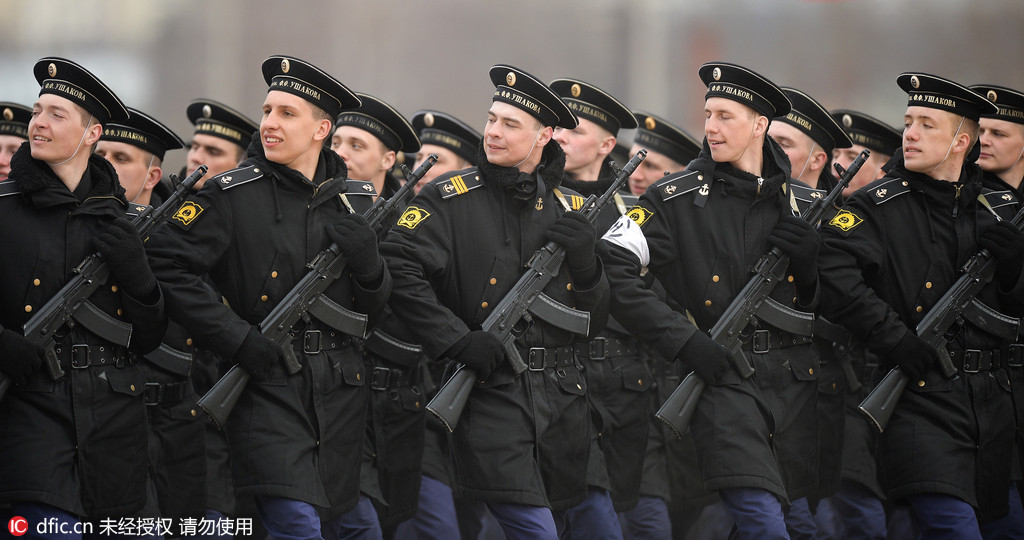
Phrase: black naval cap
(742, 85)
(1009, 101)
(300, 78)
(869, 132)
(64, 78)
(934, 92)
(143, 131)
(810, 117)
(216, 119)
(590, 102)
(524, 91)
(14, 119)
(383, 121)
(446, 131)
(654, 133)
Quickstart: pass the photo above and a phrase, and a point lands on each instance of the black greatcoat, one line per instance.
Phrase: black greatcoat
(78, 443)
(520, 439)
(700, 232)
(253, 230)
(882, 270)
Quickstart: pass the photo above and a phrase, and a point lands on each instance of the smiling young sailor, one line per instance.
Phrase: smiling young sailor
(296, 440)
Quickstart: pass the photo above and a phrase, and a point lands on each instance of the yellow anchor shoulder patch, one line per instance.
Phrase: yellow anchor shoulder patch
(845, 221)
(186, 214)
(412, 217)
(639, 215)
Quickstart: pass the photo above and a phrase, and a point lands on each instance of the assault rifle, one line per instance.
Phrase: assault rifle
(71, 305)
(958, 303)
(523, 300)
(753, 300)
(306, 299)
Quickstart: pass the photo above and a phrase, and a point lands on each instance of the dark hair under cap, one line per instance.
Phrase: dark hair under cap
(742, 85)
(143, 131)
(808, 116)
(590, 102)
(382, 121)
(664, 138)
(868, 131)
(934, 92)
(300, 78)
(64, 78)
(14, 119)
(1009, 101)
(446, 131)
(524, 91)
(216, 119)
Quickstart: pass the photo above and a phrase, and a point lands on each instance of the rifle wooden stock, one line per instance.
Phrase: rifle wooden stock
(72, 300)
(450, 400)
(961, 298)
(306, 299)
(677, 411)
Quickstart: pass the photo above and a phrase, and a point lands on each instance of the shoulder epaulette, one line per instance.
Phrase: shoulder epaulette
(574, 199)
(677, 184)
(237, 177)
(9, 187)
(806, 193)
(134, 209)
(459, 183)
(629, 200)
(886, 191)
(358, 187)
(996, 199)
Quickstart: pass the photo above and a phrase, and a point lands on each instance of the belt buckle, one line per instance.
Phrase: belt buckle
(380, 379)
(80, 357)
(603, 348)
(311, 342)
(972, 359)
(532, 364)
(1015, 355)
(153, 394)
(761, 342)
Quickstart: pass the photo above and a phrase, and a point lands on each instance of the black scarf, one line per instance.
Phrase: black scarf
(33, 176)
(523, 186)
(775, 167)
(331, 163)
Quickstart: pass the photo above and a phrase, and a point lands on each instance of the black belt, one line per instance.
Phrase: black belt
(163, 393)
(82, 355)
(382, 378)
(601, 347)
(975, 360)
(1015, 355)
(541, 358)
(763, 340)
(316, 341)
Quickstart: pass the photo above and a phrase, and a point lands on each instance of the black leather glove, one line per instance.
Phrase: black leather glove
(480, 351)
(578, 236)
(1006, 243)
(708, 359)
(800, 241)
(19, 357)
(122, 248)
(913, 355)
(358, 244)
(258, 355)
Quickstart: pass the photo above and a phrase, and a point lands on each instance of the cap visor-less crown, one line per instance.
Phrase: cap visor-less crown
(64, 78)
(382, 121)
(934, 92)
(590, 102)
(446, 131)
(302, 79)
(742, 85)
(143, 131)
(808, 116)
(526, 92)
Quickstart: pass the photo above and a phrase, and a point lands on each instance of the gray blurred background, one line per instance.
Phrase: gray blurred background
(159, 54)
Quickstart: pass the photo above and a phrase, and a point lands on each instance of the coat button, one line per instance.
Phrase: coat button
(28, 309)
(35, 282)
(920, 383)
(928, 285)
(493, 281)
(568, 286)
(810, 371)
(714, 278)
(264, 298)
(113, 288)
(790, 279)
(192, 412)
(707, 302)
(188, 341)
(640, 382)
(120, 311)
(578, 386)
(484, 305)
(273, 274)
(919, 309)
(132, 387)
(833, 386)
